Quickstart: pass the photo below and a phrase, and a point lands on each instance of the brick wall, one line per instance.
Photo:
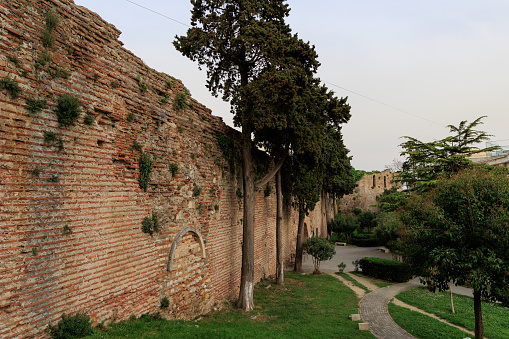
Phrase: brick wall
(70, 219)
(368, 188)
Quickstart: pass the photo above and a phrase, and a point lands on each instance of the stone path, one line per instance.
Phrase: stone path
(373, 308)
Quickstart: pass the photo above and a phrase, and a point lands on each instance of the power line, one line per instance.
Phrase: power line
(383, 103)
(346, 89)
(151, 10)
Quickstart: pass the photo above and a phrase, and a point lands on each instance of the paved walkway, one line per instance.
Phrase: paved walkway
(373, 308)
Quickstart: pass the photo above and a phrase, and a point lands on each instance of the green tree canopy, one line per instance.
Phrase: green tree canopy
(425, 161)
(460, 231)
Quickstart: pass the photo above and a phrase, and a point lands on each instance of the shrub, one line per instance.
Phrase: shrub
(387, 230)
(389, 270)
(89, 120)
(173, 169)
(367, 220)
(320, 249)
(267, 191)
(346, 224)
(366, 240)
(196, 190)
(146, 163)
(34, 106)
(150, 225)
(141, 84)
(52, 139)
(74, 326)
(341, 267)
(165, 303)
(130, 117)
(180, 100)
(67, 110)
(10, 86)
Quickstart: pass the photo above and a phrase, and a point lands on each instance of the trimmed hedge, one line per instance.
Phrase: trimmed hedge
(389, 270)
(366, 240)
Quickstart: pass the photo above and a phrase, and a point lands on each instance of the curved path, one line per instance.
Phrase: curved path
(374, 311)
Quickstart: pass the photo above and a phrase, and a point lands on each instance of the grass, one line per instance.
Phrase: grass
(378, 282)
(306, 307)
(422, 326)
(495, 315)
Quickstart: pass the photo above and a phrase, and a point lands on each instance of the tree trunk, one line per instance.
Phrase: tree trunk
(479, 328)
(280, 278)
(298, 247)
(247, 272)
(452, 301)
(327, 215)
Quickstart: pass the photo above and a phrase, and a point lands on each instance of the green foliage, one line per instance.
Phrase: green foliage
(169, 83)
(74, 326)
(66, 230)
(216, 207)
(150, 225)
(34, 250)
(114, 84)
(130, 117)
(52, 20)
(14, 60)
(51, 139)
(359, 174)
(391, 199)
(44, 57)
(145, 163)
(385, 269)
(196, 190)
(367, 220)
(180, 101)
(48, 39)
(173, 169)
(320, 249)
(459, 231)
(426, 161)
(53, 178)
(141, 84)
(35, 172)
(164, 99)
(341, 267)
(67, 110)
(165, 303)
(11, 86)
(357, 211)
(34, 106)
(387, 230)
(268, 190)
(136, 147)
(346, 224)
(365, 240)
(89, 120)
(60, 73)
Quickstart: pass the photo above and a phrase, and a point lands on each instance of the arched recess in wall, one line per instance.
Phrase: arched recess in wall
(177, 239)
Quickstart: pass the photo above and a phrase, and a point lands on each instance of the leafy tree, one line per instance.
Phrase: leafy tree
(367, 219)
(427, 160)
(244, 45)
(389, 225)
(460, 232)
(346, 224)
(320, 249)
(391, 199)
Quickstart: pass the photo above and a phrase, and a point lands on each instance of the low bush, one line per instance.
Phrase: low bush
(73, 326)
(389, 270)
(67, 110)
(320, 249)
(11, 86)
(366, 240)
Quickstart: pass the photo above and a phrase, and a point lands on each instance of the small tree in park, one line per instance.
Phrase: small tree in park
(320, 249)
(459, 231)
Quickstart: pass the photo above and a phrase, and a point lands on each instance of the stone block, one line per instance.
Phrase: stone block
(355, 317)
(363, 327)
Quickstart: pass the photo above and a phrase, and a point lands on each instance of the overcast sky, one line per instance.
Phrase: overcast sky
(407, 67)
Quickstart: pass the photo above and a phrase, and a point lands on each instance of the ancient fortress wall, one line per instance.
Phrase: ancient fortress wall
(71, 207)
(368, 188)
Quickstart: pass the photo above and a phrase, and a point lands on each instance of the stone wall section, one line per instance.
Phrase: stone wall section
(368, 188)
(70, 219)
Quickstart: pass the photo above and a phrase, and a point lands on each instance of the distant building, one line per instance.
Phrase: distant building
(368, 188)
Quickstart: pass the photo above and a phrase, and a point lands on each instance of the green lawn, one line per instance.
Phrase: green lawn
(355, 282)
(377, 282)
(423, 327)
(306, 307)
(495, 316)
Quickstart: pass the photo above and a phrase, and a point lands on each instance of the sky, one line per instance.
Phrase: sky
(409, 68)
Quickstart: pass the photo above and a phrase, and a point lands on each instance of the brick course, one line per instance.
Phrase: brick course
(70, 220)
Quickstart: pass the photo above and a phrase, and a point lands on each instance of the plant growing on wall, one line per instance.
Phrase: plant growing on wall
(142, 85)
(34, 106)
(89, 120)
(51, 139)
(10, 86)
(173, 169)
(130, 117)
(196, 190)
(146, 163)
(180, 101)
(150, 225)
(67, 110)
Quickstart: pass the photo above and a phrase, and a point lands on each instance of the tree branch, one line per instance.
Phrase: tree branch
(263, 181)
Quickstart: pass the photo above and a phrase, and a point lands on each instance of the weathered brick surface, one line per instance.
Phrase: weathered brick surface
(368, 188)
(107, 267)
